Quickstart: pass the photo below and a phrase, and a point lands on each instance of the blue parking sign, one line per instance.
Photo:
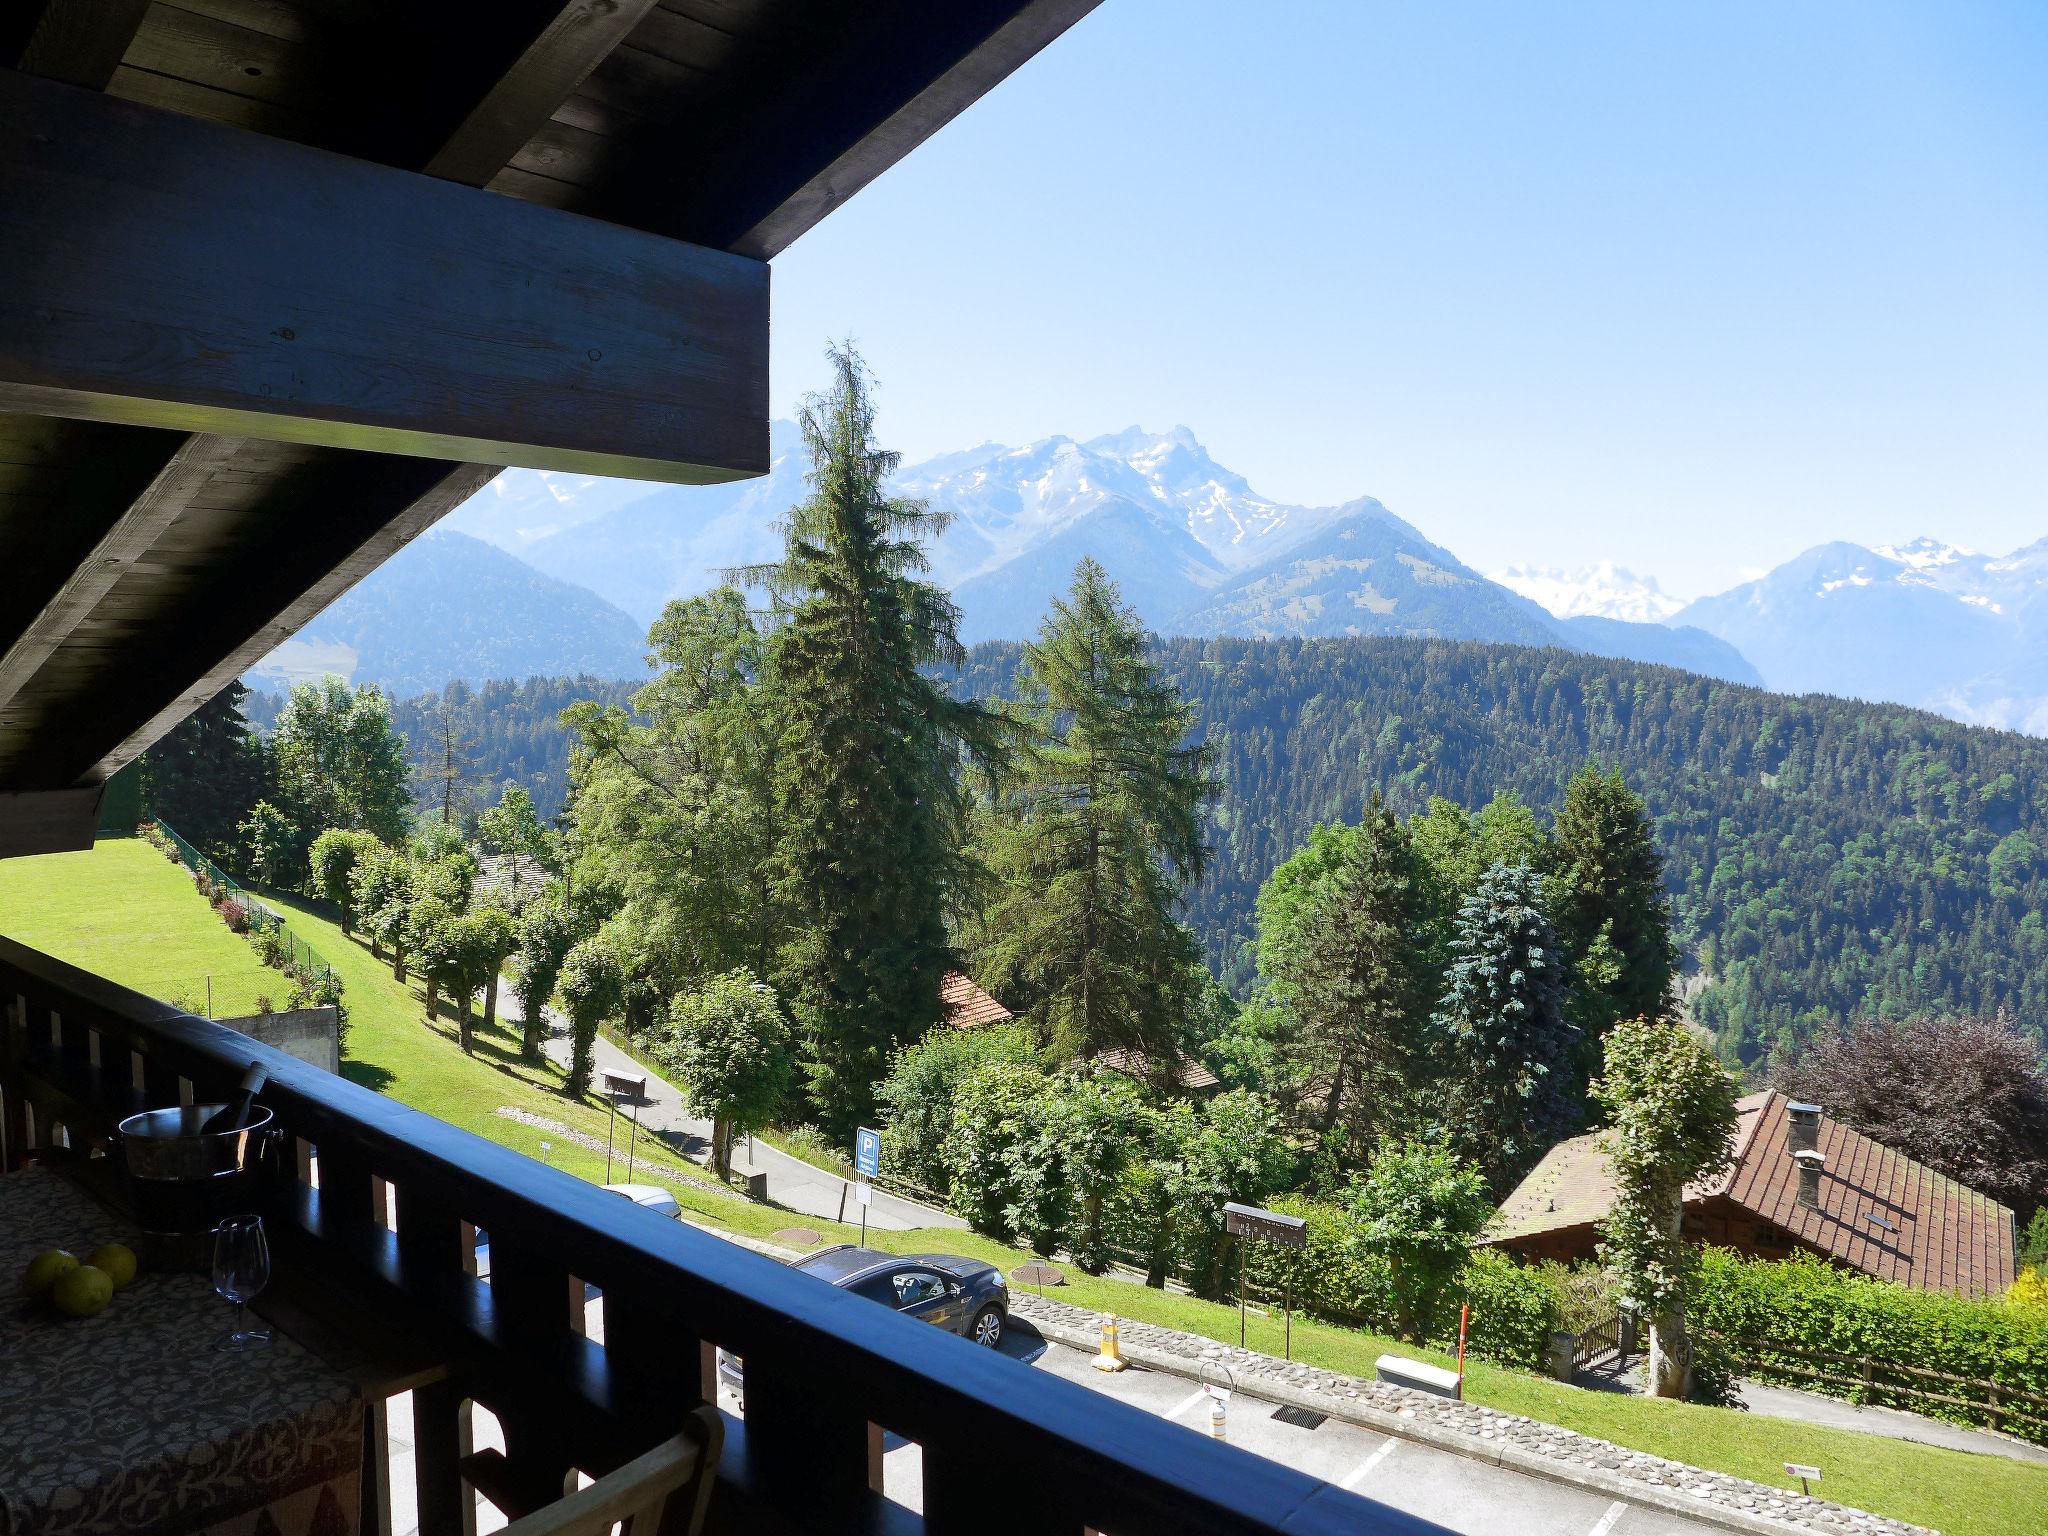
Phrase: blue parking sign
(867, 1151)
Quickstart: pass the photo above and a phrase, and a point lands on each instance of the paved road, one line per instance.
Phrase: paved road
(1892, 1423)
(792, 1182)
(1458, 1494)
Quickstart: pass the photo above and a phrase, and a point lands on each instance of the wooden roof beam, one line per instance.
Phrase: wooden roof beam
(161, 271)
(545, 74)
(80, 42)
(868, 99)
(127, 537)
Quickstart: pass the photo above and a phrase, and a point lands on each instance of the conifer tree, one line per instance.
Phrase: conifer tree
(1504, 1046)
(868, 809)
(1606, 895)
(1094, 837)
(1359, 984)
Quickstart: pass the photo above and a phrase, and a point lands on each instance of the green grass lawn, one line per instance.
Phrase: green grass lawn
(129, 914)
(126, 912)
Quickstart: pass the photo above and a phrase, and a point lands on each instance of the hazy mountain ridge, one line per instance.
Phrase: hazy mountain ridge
(1925, 623)
(449, 606)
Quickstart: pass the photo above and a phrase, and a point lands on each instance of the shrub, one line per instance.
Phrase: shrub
(2028, 1289)
(263, 1004)
(1514, 1307)
(233, 913)
(1766, 1310)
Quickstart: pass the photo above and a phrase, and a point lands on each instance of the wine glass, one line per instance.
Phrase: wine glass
(241, 1268)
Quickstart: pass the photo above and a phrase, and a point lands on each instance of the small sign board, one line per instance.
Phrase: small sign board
(1265, 1226)
(625, 1085)
(864, 1193)
(867, 1151)
(1803, 1473)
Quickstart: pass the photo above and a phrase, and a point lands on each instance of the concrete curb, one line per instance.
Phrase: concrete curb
(1513, 1457)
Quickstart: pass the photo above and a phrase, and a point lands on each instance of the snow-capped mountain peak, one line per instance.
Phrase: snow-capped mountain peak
(1924, 553)
(1603, 590)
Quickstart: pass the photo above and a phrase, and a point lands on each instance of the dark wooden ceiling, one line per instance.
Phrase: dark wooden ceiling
(184, 481)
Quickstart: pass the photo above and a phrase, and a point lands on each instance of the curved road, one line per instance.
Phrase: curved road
(792, 1182)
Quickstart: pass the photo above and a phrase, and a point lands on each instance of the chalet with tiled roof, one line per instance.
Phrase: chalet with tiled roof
(967, 1006)
(1800, 1183)
(1189, 1076)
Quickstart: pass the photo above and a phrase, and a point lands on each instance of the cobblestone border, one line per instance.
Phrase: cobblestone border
(1483, 1434)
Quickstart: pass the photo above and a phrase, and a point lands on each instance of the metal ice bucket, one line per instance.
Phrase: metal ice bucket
(184, 1180)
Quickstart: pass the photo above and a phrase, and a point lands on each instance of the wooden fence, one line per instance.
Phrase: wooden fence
(1867, 1378)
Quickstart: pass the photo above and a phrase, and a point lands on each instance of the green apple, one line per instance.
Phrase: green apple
(43, 1271)
(82, 1292)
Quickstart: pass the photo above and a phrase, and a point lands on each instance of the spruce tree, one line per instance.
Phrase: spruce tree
(1606, 895)
(868, 808)
(1359, 985)
(1094, 837)
(206, 775)
(1504, 1046)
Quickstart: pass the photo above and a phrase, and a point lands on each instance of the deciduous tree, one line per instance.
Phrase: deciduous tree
(1417, 1208)
(546, 932)
(1670, 1119)
(1967, 1097)
(727, 1043)
(593, 987)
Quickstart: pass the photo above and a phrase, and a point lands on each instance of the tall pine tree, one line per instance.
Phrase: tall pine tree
(1606, 895)
(868, 808)
(1094, 838)
(1359, 986)
(1504, 1045)
(206, 775)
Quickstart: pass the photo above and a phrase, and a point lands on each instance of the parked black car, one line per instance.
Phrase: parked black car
(968, 1296)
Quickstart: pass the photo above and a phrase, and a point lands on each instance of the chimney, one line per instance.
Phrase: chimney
(1810, 1164)
(1802, 1130)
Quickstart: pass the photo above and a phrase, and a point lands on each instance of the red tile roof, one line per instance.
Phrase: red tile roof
(967, 1006)
(1191, 1075)
(1943, 1236)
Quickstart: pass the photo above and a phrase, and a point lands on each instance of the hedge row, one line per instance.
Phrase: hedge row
(1808, 1304)
(1513, 1308)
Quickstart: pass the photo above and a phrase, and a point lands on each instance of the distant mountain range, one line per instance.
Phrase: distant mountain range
(552, 574)
(450, 606)
(1194, 548)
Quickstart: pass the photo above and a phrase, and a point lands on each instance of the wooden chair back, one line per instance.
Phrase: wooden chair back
(663, 1493)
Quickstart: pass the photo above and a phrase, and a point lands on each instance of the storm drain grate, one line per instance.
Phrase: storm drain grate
(1300, 1418)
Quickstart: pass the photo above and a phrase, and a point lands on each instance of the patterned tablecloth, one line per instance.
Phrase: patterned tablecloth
(132, 1421)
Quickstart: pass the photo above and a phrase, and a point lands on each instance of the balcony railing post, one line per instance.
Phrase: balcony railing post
(807, 1430)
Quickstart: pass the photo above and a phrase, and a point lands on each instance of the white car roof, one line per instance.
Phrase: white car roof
(645, 1194)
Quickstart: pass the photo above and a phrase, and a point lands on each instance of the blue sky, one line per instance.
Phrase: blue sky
(1690, 287)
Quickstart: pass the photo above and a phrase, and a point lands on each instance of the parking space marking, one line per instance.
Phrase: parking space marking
(1363, 1470)
(1185, 1404)
(1614, 1512)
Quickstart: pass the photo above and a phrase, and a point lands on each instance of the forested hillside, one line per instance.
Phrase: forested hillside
(1826, 858)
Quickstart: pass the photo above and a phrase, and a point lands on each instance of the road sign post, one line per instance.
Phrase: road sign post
(867, 1158)
(1248, 1223)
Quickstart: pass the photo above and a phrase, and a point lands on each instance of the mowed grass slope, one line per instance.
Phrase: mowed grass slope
(125, 912)
(129, 914)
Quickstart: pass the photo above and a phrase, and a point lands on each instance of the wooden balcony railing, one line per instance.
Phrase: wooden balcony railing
(386, 1225)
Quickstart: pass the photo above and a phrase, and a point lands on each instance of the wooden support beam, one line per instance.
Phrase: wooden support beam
(129, 537)
(546, 73)
(162, 271)
(49, 820)
(259, 600)
(80, 42)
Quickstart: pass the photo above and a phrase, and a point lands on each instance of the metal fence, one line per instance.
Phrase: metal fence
(294, 952)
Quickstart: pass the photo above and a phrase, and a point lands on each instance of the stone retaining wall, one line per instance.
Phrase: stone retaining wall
(1466, 1429)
